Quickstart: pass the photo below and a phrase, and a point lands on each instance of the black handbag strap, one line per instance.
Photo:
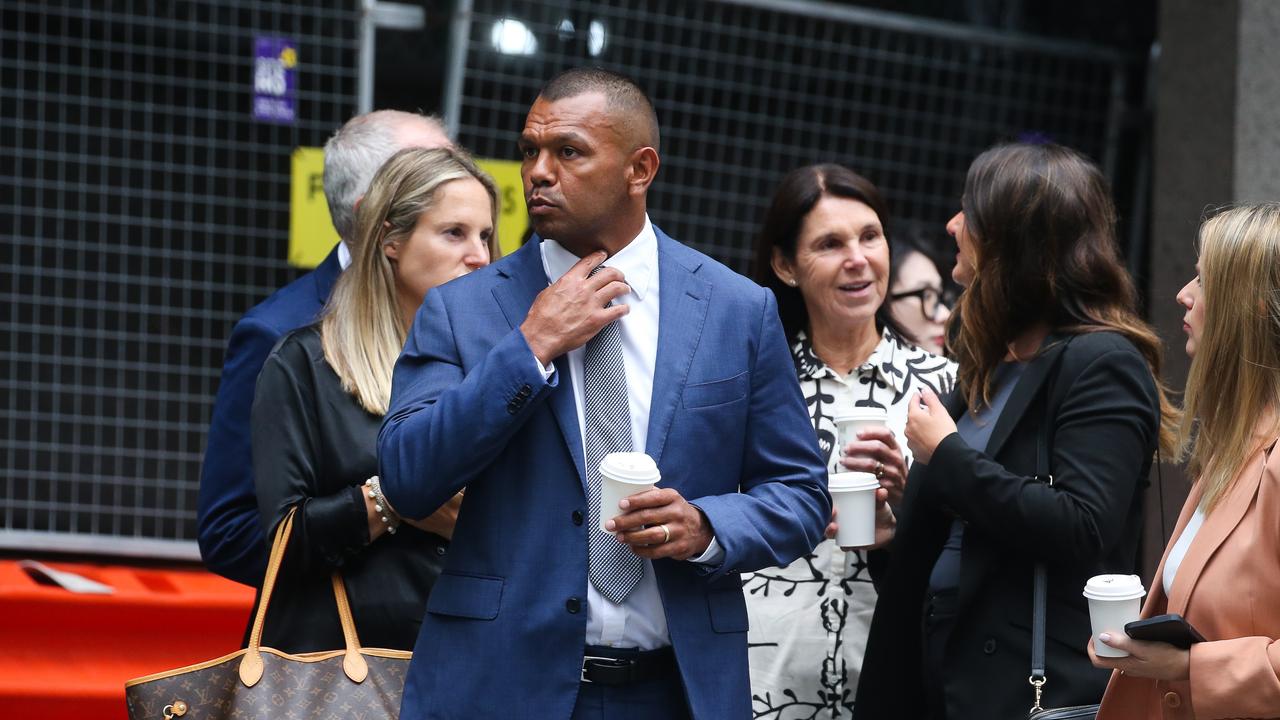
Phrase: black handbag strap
(1040, 587)
(1040, 583)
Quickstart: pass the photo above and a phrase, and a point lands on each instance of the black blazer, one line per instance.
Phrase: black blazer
(1104, 413)
(313, 447)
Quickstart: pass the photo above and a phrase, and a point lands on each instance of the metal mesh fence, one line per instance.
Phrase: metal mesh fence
(143, 211)
(746, 91)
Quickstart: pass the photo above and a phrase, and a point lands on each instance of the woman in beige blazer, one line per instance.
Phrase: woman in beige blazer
(1221, 570)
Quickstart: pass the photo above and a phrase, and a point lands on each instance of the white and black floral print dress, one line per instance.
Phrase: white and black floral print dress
(809, 620)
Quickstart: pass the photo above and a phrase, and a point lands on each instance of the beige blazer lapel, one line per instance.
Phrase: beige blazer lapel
(1217, 526)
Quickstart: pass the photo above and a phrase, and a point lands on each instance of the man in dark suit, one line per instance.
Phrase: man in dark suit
(232, 540)
(516, 391)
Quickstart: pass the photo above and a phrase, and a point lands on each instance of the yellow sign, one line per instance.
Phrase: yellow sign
(311, 233)
(513, 218)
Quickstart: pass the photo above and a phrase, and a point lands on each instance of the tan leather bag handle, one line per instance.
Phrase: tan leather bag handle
(251, 667)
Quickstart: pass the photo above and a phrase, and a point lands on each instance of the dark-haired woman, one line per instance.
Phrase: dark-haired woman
(919, 299)
(824, 253)
(1057, 379)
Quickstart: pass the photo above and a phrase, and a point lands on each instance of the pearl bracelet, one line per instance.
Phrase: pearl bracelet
(380, 504)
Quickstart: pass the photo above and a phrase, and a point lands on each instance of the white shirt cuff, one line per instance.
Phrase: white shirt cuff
(713, 555)
(546, 373)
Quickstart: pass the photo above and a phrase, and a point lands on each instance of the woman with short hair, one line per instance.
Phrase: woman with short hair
(825, 253)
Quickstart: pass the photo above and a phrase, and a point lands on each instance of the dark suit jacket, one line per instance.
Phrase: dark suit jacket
(232, 543)
(506, 622)
(1103, 416)
(313, 448)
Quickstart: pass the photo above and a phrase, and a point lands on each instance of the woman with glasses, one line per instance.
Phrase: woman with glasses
(824, 253)
(918, 299)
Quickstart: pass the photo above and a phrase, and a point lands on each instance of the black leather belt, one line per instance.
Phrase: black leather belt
(611, 666)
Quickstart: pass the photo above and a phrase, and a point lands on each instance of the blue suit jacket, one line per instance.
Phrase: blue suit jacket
(232, 541)
(506, 621)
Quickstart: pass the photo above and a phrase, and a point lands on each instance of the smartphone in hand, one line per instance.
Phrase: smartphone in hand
(1172, 629)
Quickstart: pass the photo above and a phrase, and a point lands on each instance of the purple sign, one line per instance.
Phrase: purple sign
(275, 80)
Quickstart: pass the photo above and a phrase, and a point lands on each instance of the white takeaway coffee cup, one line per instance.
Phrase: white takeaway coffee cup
(851, 423)
(854, 497)
(623, 474)
(1114, 600)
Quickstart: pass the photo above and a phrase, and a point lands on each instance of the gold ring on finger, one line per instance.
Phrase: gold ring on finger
(879, 470)
(666, 534)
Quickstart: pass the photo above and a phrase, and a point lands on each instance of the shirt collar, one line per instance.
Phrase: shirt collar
(881, 361)
(637, 260)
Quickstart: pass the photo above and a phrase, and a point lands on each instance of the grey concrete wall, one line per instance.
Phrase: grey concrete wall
(1257, 121)
(1217, 141)
(1194, 168)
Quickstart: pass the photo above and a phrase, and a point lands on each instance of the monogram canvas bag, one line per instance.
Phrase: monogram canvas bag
(258, 682)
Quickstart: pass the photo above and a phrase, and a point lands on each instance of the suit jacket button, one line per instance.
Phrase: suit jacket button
(989, 647)
(440, 551)
(525, 391)
(577, 517)
(1172, 699)
(573, 605)
(513, 408)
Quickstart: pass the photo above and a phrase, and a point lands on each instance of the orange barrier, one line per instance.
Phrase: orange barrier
(68, 655)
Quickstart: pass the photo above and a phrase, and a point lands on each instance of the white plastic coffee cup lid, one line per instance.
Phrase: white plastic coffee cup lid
(863, 414)
(850, 481)
(1114, 587)
(630, 467)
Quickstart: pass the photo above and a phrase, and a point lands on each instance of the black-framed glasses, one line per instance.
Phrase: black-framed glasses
(931, 298)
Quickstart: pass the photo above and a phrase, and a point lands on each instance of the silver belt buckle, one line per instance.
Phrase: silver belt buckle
(586, 658)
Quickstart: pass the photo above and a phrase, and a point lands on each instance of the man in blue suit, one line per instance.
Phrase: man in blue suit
(231, 537)
(518, 378)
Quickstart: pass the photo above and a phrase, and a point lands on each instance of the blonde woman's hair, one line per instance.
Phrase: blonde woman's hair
(1235, 374)
(362, 329)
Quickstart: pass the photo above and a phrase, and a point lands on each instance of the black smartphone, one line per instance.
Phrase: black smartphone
(1172, 629)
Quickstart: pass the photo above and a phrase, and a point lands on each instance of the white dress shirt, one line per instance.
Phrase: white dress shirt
(640, 620)
(344, 255)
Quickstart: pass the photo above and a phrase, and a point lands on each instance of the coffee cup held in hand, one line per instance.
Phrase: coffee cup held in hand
(851, 423)
(623, 474)
(854, 497)
(1114, 601)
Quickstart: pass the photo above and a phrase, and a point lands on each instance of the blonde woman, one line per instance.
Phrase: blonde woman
(1221, 571)
(429, 216)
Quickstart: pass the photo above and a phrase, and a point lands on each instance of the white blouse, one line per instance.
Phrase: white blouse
(1179, 550)
(809, 620)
